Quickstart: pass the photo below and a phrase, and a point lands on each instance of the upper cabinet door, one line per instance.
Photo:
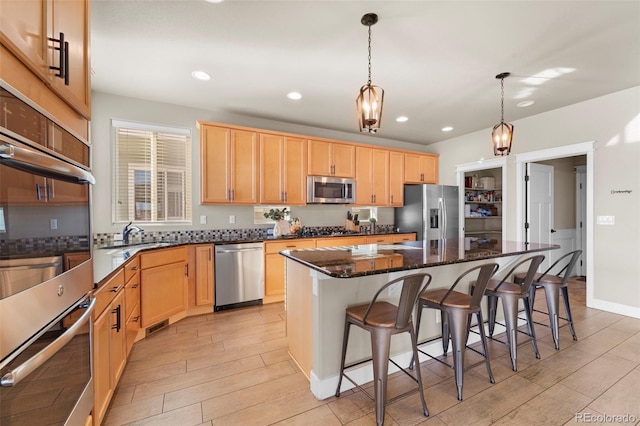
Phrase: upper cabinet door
(372, 176)
(71, 18)
(331, 159)
(396, 179)
(295, 171)
(23, 29)
(244, 167)
(26, 29)
(271, 167)
(420, 168)
(215, 150)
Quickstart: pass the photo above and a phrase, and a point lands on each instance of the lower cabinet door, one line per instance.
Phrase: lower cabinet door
(163, 292)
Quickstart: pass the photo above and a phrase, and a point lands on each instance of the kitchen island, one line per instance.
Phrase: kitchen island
(322, 282)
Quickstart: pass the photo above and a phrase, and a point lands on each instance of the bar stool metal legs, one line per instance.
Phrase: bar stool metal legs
(553, 285)
(510, 293)
(457, 309)
(382, 320)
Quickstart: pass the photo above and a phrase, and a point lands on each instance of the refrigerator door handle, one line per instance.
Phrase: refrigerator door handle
(443, 213)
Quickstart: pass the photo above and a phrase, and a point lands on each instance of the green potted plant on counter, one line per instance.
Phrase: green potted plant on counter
(373, 221)
(282, 226)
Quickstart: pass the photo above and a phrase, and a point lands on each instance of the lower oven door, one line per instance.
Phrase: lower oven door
(47, 381)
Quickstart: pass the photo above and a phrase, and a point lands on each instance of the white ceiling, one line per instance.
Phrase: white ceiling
(436, 60)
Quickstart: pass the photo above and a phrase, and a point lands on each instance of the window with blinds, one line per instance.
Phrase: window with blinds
(152, 177)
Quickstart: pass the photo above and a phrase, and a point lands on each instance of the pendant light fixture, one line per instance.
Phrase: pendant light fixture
(369, 101)
(502, 134)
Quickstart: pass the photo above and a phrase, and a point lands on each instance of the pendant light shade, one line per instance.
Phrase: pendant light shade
(370, 99)
(502, 134)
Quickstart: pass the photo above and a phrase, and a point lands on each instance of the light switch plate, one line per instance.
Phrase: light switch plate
(606, 220)
(203, 219)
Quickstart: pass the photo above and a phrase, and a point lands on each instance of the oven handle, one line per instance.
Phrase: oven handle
(25, 158)
(16, 375)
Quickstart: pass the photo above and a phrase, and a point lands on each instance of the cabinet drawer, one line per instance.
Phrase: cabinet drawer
(404, 237)
(275, 247)
(340, 241)
(380, 239)
(131, 297)
(158, 257)
(132, 325)
(107, 291)
(131, 268)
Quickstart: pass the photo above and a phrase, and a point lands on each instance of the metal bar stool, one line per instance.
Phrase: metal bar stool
(456, 309)
(510, 293)
(552, 285)
(383, 319)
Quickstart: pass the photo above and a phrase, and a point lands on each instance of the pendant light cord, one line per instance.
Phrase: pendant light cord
(502, 100)
(369, 57)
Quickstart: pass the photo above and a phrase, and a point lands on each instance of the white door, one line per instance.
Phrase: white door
(581, 218)
(540, 206)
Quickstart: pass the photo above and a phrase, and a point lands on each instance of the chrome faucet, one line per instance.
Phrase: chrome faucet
(128, 230)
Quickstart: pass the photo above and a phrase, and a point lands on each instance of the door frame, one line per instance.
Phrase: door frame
(581, 213)
(584, 148)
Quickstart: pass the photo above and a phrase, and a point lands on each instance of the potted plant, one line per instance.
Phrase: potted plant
(282, 226)
(373, 221)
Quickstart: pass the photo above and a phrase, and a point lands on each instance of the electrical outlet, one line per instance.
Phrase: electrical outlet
(53, 223)
(203, 219)
(232, 219)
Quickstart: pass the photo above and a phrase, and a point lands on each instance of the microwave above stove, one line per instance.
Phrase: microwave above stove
(330, 190)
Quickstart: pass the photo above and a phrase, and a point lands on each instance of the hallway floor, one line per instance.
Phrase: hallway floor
(232, 368)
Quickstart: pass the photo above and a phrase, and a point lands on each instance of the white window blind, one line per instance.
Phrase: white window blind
(152, 173)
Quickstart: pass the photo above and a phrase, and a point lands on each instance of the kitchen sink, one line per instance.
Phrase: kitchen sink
(137, 246)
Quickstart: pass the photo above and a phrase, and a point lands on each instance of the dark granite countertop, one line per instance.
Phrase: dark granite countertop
(107, 257)
(371, 259)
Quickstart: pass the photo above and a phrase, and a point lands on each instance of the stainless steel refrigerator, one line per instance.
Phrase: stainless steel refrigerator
(429, 210)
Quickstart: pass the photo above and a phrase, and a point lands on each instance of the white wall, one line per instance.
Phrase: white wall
(106, 107)
(613, 121)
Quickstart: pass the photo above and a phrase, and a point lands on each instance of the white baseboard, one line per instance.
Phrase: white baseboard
(616, 308)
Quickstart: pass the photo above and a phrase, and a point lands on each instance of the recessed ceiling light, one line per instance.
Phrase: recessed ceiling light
(447, 129)
(402, 119)
(525, 103)
(201, 75)
(294, 96)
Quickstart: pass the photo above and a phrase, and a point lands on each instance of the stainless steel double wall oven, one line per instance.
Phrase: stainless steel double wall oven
(46, 273)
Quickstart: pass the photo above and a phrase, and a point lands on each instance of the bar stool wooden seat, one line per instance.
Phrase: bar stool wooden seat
(383, 319)
(456, 309)
(553, 285)
(510, 293)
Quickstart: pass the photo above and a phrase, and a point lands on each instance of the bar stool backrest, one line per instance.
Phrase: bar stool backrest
(531, 272)
(565, 272)
(412, 286)
(486, 271)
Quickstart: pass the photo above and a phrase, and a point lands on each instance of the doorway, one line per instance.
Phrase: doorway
(522, 160)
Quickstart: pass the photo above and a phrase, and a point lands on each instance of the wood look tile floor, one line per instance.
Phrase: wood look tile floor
(232, 368)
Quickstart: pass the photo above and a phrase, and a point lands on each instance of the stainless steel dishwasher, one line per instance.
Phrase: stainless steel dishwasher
(239, 275)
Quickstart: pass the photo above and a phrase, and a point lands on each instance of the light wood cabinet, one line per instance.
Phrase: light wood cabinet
(71, 260)
(331, 159)
(27, 188)
(399, 238)
(205, 275)
(396, 179)
(372, 176)
(420, 168)
(109, 345)
(283, 169)
(27, 28)
(163, 284)
(380, 239)
(274, 266)
(229, 165)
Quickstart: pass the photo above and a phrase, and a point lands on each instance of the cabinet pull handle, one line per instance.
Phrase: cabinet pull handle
(209, 251)
(136, 319)
(233, 194)
(38, 193)
(66, 63)
(134, 286)
(391, 198)
(186, 270)
(134, 268)
(115, 289)
(117, 325)
(61, 56)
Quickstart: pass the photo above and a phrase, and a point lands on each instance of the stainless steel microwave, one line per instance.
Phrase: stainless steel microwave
(330, 190)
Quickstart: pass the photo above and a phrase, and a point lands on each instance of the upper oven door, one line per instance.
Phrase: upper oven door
(45, 235)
